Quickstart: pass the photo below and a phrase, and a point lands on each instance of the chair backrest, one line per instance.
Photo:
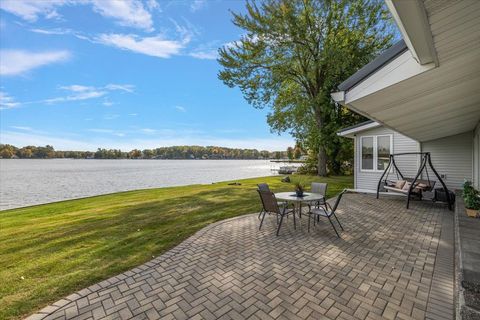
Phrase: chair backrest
(318, 187)
(269, 201)
(337, 202)
(263, 187)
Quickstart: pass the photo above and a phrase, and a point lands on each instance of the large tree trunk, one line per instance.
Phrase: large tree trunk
(322, 153)
(322, 162)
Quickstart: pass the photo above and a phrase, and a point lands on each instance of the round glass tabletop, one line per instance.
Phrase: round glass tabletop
(291, 196)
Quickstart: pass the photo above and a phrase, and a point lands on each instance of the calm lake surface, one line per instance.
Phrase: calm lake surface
(26, 182)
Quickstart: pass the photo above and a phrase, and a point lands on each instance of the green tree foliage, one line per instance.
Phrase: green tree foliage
(175, 152)
(293, 55)
(148, 154)
(135, 154)
(7, 151)
(290, 153)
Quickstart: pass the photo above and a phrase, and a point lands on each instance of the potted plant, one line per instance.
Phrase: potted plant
(472, 199)
(299, 188)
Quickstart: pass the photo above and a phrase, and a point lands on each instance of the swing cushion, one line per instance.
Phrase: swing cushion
(422, 186)
(406, 186)
(399, 184)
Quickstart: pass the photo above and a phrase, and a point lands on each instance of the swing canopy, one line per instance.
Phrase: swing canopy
(411, 187)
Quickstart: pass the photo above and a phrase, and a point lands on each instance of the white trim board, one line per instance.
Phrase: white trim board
(351, 132)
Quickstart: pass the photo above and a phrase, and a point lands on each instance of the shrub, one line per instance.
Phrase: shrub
(471, 196)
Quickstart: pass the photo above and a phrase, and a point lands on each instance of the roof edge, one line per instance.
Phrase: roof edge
(350, 131)
(377, 63)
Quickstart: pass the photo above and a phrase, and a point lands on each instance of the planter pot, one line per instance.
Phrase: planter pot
(472, 213)
(299, 193)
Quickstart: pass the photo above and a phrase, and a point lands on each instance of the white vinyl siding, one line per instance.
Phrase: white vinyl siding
(408, 165)
(476, 157)
(452, 157)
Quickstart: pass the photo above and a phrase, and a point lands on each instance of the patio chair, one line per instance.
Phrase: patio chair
(270, 205)
(265, 187)
(326, 212)
(321, 188)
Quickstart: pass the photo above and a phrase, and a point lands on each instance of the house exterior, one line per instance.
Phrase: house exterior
(373, 143)
(452, 157)
(424, 89)
(424, 92)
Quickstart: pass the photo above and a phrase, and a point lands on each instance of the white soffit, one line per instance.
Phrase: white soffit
(435, 104)
(399, 69)
(412, 21)
(427, 102)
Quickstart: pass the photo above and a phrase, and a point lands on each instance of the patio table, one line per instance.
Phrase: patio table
(297, 201)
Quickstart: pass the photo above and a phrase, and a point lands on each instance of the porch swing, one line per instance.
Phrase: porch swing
(408, 186)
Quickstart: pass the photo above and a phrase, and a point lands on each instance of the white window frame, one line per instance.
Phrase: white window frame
(375, 151)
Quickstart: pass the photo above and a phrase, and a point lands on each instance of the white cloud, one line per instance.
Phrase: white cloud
(30, 10)
(81, 92)
(87, 95)
(111, 116)
(29, 139)
(111, 87)
(108, 131)
(205, 55)
(52, 31)
(122, 87)
(107, 103)
(197, 5)
(22, 128)
(77, 88)
(172, 41)
(148, 131)
(155, 46)
(7, 101)
(77, 96)
(208, 50)
(133, 114)
(130, 13)
(185, 31)
(28, 130)
(153, 5)
(180, 108)
(16, 62)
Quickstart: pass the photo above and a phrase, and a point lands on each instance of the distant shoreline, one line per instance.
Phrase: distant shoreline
(272, 160)
(149, 159)
(8, 151)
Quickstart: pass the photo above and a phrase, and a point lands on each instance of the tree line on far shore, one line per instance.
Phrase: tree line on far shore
(176, 152)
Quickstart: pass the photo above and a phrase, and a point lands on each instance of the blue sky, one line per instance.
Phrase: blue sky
(82, 74)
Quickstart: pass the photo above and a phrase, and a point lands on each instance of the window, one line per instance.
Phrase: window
(367, 153)
(375, 152)
(383, 152)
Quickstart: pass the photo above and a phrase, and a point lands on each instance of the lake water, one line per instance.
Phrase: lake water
(26, 182)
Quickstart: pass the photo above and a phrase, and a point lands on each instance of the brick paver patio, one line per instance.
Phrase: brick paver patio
(382, 267)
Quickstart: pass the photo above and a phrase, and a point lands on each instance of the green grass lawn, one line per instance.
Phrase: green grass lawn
(50, 251)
